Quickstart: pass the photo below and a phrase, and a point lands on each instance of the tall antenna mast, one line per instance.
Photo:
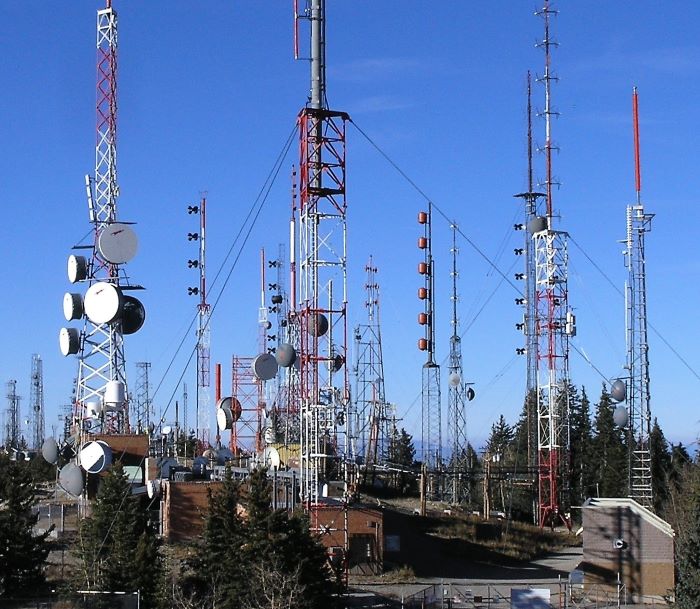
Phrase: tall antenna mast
(638, 395)
(457, 396)
(322, 274)
(102, 402)
(554, 324)
(13, 432)
(36, 402)
(431, 411)
(370, 418)
(530, 198)
(202, 397)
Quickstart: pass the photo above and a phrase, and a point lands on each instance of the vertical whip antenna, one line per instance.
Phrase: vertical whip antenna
(547, 44)
(637, 164)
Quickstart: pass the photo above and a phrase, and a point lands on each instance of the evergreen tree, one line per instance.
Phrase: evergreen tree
(688, 540)
(660, 466)
(117, 548)
(581, 447)
(402, 453)
(609, 457)
(22, 554)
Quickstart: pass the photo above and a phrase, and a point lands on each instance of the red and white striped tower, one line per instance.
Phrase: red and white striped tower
(554, 324)
(101, 356)
(322, 277)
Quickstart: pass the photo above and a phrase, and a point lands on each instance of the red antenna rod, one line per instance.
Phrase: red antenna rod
(637, 166)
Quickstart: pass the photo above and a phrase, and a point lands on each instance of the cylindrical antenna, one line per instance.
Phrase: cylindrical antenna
(530, 184)
(202, 256)
(454, 279)
(318, 53)
(547, 78)
(637, 165)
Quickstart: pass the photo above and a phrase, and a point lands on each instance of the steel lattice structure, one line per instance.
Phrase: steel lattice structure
(527, 326)
(36, 402)
(431, 410)
(144, 404)
(13, 431)
(638, 394)
(371, 423)
(554, 324)
(102, 347)
(321, 310)
(456, 397)
(246, 433)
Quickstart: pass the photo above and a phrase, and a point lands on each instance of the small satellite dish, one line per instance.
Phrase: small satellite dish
(49, 450)
(618, 390)
(133, 315)
(94, 409)
(95, 457)
(620, 416)
(72, 306)
(115, 395)
(117, 243)
(272, 457)
(286, 355)
(269, 435)
(224, 418)
(471, 394)
(166, 430)
(70, 479)
(103, 302)
(77, 268)
(454, 379)
(265, 366)
(153, 488)
(318, 324)
(210, 454)
(69, 341)
(536, 225)
(338, 362)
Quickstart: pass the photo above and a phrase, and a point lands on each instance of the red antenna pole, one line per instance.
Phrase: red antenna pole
(637, 166)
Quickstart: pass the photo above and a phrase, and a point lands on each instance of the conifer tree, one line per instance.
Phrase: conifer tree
(581, 446)
(660, 467)
(22, 553)
(688, 540)
(609, 456)
(117, 548)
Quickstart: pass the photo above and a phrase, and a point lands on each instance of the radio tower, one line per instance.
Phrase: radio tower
(431, 435)
(13, 433)
(554, 324)
(202, 398)
(371, 419)
(102, 392)
(36, 402)
(458, 393)
(144, 404)
(322, 307)
(527, 326)
(638, 396)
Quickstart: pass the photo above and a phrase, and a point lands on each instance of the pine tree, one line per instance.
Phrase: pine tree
(581, 446)
(660, 466)
(22, 554)
(403, 453)
(688, 541)
(609, 456)
(117, 549)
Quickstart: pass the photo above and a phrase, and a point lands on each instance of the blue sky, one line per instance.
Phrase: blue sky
(208, 93)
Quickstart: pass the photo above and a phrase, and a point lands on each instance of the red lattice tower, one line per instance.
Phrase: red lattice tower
(246, 433)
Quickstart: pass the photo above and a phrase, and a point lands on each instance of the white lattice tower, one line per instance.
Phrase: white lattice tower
(102, 347)
(431, 408)
(12, 431)
(638, 394)
(554, 324)
(36, 402)
(369, 421)
(143, 410)
(456, 396)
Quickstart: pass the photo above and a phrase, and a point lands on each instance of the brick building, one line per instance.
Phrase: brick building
(622, 537)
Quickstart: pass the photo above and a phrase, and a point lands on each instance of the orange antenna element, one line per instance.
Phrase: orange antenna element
(635, 121)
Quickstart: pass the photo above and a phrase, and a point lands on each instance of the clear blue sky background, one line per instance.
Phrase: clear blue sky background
(208, 93)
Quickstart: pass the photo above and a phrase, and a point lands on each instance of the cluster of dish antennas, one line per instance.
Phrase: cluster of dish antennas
(93, 457)
(618, 392)
(104, 302)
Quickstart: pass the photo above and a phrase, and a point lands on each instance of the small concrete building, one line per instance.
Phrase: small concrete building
(622, 537)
